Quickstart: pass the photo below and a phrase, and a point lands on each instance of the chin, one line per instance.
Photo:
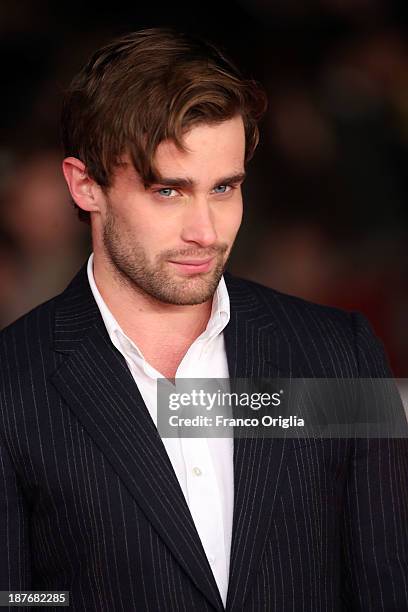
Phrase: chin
(182, 295)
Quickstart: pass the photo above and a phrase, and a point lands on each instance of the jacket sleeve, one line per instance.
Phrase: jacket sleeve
(15, 570)
(375, 522)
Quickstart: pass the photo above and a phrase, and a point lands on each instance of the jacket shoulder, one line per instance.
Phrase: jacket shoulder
(326, 332)
(284, 306)
(26, 346)
(36, 322)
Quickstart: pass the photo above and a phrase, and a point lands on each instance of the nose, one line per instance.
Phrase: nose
(198, 223)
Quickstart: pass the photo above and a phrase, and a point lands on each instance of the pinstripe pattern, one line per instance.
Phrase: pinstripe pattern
(89, 501)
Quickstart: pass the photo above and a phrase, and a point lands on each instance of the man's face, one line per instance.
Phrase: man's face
(171, 240)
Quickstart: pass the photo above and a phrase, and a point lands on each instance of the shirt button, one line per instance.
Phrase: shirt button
(197, 471)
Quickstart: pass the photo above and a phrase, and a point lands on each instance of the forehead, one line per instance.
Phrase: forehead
(208, 149)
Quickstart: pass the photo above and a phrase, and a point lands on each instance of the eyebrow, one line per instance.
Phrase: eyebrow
(190, 183)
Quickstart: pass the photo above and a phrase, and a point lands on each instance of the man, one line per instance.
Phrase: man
(157, 130)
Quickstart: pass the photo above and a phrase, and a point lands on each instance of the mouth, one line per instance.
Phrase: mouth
(193, 266)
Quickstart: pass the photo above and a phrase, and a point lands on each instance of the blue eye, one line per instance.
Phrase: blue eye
(221, 188)
(165, 192)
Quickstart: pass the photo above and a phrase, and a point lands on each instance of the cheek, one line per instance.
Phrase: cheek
(154, 233)
(231, 219)
(139, 223)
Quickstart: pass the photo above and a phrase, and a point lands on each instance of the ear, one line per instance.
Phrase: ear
(83, 189)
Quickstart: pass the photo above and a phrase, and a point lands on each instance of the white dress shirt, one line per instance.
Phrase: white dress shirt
(203, 466)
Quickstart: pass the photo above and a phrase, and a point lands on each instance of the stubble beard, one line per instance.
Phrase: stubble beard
(156, 279)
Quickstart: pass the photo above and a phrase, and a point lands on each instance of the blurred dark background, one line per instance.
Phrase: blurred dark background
(326, 213)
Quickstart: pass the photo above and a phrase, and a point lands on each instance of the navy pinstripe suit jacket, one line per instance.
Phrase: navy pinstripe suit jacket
(89, 501)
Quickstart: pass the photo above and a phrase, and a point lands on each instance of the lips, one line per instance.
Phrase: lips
(191, 266)
(192, 262)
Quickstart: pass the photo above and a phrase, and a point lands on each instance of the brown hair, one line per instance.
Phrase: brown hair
(146, 87)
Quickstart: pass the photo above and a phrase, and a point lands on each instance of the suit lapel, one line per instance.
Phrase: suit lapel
(252, 340)
(96, 384)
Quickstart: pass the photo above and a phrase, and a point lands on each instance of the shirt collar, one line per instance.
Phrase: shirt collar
(219, 318)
